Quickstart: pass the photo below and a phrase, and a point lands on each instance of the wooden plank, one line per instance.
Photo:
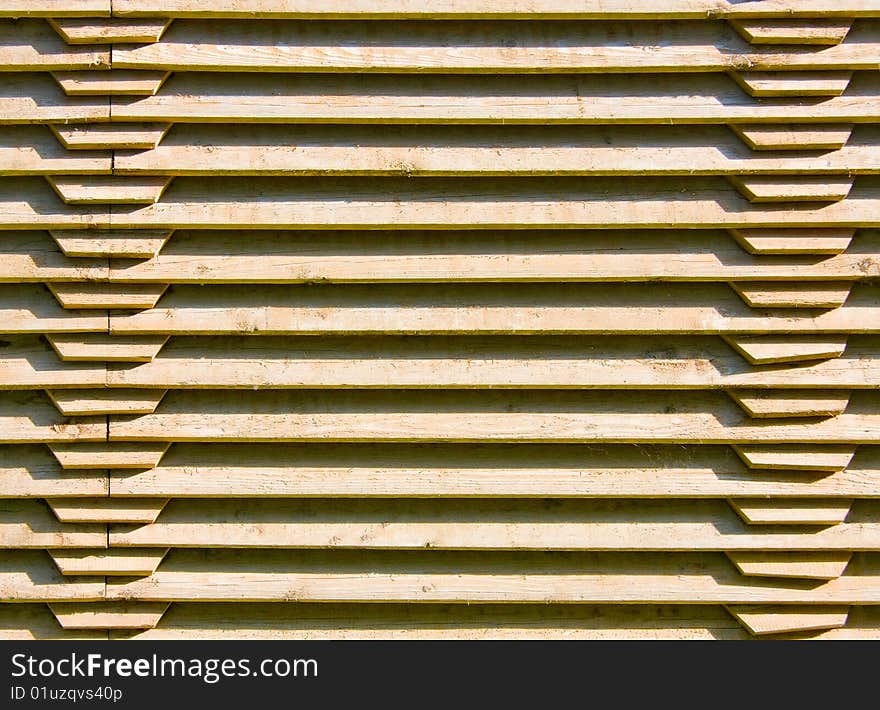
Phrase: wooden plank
(531, 362)
(29, 203)
(108, 615)
(770, 349)
(105, 401)
(763, 188)
(794, 241)
(103, 347)
(30, 308)
(27, 524)
(798, 32)
(27, 417)
(30, 471)
(795, 136)
(27, 362)
(763, 84)
(106, 295)
(480, 471)
(31, 150)
(108, 189)
(438, 576)
(520, 309)
(106, 510)
(117, 563)
(509, 416)
(104, 455)
(34, 622)
(448, 203)
(799, 565)
(132, 243)
(195, 97)
(26, 46)
(109, 31)
(117, 82)
(505, 9)
(778, 620)
(37, 98)
(110, 136)
(480, 47)
(479, 525)
(798, 403)
(209, 149)
(788, 458)
(33, 256)
(274, 257)
(792, 512)
(30, 576)
(55, 8)
(214, 621)
(770, 294)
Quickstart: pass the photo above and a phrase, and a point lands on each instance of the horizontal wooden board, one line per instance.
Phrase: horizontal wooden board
(34, 256)
(33, 150)
(436, 576)
(489, 362)
(484, 525)
(53, 8)
(26, 45)
(34, 622)
(30, 471)
(27, 417)
(222, 149)
(490, 47)
(31, 576)
(37, 98)
(450, 203)
(194, 97)
(281, 470)
(28, 524)
(460, 416)
(507, 9)
(30, 203)
(30, 308)
(28, 362)
(477, 309)
(233, 256)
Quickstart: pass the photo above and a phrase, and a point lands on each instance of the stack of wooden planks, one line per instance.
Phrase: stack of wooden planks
(440, 319)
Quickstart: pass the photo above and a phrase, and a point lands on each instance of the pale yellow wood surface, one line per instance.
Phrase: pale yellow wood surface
(794, 241)
(104, 455)
(30, 471)
(37, 98)
(797, 403)
(794, 136)
(792, 512)
(797, 32)
(25, 45)
(27, 362)
(768, 294)
(799, 565)
(480, 525)
(26, 524)
(762, 188)
(54, 8)
(763, 84)
(30, 308)
(32, 150)
(784, 458)
(119, 563)
(707, 98)
(105, 401)
(30, 203)
(33, 622)
(412, 416)
(106, 295)
(27, 417)
(108, 615)
(110, 135)
(482, 471)
(117, 82)
(106, 510)
(103, 347)
(770, 349)
(774, 620)
(34, 256)
(477, 310)
(132, 243)
(437, 576)
(108, 190)
(30, 576)
(109, 31)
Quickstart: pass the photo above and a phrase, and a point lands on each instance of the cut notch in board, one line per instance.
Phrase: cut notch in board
(762, 620)
(112, 82)
(120, 243)
(792, 84)
(784, 348)
(136, 511)
(110, 136)
(798, 565)
(109, 189)
(791, 512)
(831, 459)
(798, 136)
(759, 189)
(794, 241)
(779, 294)
(85, 402)
(768, 404)
(108, 615)
(104, 455)
(91, 30)
(807, 31)
(105, 347)
(129, 562)
(103, 295)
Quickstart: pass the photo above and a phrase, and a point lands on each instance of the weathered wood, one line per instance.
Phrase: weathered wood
(27, 417)
(520, 309)
(481, 471)
(55, 8)
(444, 47)
(112, 190)
(771, 349)
(510, 416)
(104, 455)
(658, 99)
(794, 241)
(30, 576)
(106, 295)
(30, 308)
(794, 458)
(792, 512)
(778, 84)
(798, 403)
(90, 347)
(33, 256)
(33, 622)
(31, 150)
(109, 31)
(799, 565)
(536, 362)
(108, 615)
(438, 576)
(274, 257)
(479, 525)
(30, 471)
(30, 203)
(27, 362)
(105, 401)
(770, 294)
(132, 243)
(26, 524)
(798, 32)
(117, 82)
(784, 619)
(25, 45)
(107, 136)
(795, 136)
(114, 563)
(763, 188)
(106, 510)
(37, 98)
